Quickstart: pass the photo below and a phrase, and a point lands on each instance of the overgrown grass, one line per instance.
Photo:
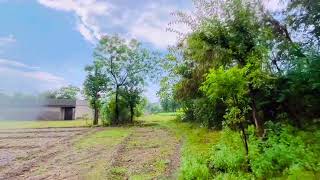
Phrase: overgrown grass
(44, 124)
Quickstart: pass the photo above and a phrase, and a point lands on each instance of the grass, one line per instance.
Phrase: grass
(44, 124)
(107, 138)
(197, 142)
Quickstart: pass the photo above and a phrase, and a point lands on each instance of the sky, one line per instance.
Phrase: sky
(45, 44)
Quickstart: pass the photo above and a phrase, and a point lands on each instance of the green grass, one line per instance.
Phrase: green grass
(107, 138)
(44, 124)
(197, 142)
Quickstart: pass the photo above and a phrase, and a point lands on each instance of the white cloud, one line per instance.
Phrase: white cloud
(87, 11)
(151, 26)
(6, 62)
(19, 77)
(145, 20)
(7, 40)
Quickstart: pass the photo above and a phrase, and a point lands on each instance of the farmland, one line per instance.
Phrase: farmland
(33, 150)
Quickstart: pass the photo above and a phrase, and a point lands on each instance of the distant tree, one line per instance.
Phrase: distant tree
(167, 101)
(153, 108)
(123, 62)
(95, 84)
(68, 92)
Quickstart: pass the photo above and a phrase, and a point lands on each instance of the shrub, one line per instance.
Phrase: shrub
(228, 155)
(284, 152)
(108, 111)
(195, 167)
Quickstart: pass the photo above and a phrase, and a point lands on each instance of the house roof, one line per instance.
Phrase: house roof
(39, 103)
(59, 102)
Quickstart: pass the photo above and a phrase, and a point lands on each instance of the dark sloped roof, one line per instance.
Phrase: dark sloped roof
(39, 103)
(60, 102)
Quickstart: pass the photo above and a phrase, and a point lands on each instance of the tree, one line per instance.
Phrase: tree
(124, 61)
(95, 85)
(68, 92)
(166, 96)
(132, 94)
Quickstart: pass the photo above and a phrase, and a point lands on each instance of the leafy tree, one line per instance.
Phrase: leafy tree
(132, 94)
(304, 16)
(68, 92)
(95, 85)
(124, 62)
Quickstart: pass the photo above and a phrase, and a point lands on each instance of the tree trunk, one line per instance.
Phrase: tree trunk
(131, 114)
(245, 143)
(117, 105)
(96, 116)
(257, 121)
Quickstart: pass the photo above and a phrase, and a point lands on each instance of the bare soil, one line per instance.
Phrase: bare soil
(50, 153)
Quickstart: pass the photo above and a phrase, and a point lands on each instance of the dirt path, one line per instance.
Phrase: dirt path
(84, 153)
(148, 153)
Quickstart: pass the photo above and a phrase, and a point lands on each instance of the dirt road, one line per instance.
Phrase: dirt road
(88, 153)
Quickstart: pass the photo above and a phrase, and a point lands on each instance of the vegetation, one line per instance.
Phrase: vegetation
(241, 69)
(122, 69)
(95, 84)
(242, 88)
(68, 92)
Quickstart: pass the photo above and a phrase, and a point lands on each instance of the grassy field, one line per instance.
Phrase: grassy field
(44, 124)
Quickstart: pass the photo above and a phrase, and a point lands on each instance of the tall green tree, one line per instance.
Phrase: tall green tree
(123, 62)
(95, 85)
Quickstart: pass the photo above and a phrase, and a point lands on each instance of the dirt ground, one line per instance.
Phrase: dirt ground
(57, 153)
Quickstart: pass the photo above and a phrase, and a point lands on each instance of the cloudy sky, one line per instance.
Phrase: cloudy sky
(45, 44)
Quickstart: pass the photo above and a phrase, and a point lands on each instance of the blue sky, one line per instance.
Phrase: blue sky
(45, 44)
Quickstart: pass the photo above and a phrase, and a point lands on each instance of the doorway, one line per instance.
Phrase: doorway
(68, 113)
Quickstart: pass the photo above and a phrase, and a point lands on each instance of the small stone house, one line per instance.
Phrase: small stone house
(50, 109)
(64, 109)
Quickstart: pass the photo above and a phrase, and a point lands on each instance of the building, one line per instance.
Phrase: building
(64, 109)
(51, 109)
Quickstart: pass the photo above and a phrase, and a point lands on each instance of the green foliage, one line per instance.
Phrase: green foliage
(127, 65)
(68, 92)
(109, 113)
(228, 155)
(95, 85)
(152, 108)
(284, 152)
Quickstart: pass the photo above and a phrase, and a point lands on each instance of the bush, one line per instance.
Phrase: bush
(284, 152)
(108, 111)
(228, 156)
(202, 111)
(195, 167)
